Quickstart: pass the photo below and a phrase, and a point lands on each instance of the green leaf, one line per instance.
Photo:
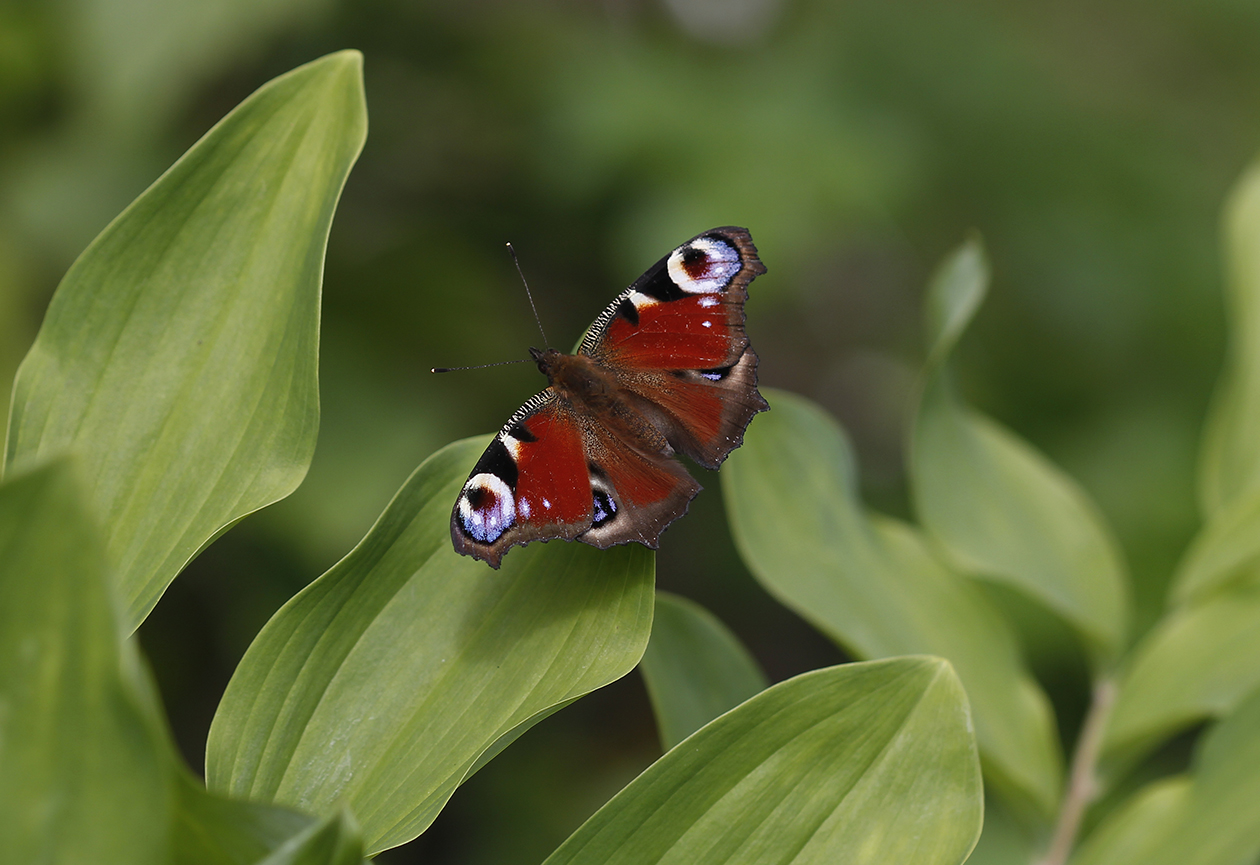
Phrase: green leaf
(394, 676)
(860, 763)
(872, 585)
(84, 775)
(178, 357)
(996, 506)
(1213, 820)
(1198, 662)
(695, 668)
(1225, 554)
(335, 841)
(1229, 465)
(215, 830)
(1134, 832)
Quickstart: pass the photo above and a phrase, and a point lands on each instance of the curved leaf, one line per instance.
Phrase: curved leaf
(394, 676)
(1196, 663)
(1134, 832)
(860, 763)
(178, 357)
(997, 506)
(1229, 465)
(84, 775)
(872, 585)
(1214, 820)
(1225, 554)
(215, 830)
(695, 668)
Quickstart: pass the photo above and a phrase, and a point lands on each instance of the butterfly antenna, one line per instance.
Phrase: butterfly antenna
(478, 366)
(528, 294)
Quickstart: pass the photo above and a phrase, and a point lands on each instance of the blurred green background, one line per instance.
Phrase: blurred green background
(1091, 144)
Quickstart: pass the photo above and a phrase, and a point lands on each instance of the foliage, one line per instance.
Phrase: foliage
(170, 392)
(131, 446)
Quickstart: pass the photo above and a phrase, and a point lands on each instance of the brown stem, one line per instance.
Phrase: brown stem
(1082, 785)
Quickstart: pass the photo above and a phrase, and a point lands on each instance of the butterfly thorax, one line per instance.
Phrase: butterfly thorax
(582, 382)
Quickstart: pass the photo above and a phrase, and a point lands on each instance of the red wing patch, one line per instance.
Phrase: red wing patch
(693, 332)
(553, 485)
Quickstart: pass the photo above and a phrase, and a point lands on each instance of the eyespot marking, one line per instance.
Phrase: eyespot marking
(603, 508)
(487, 508)
(703, 266)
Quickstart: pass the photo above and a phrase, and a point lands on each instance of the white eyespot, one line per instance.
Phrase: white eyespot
(487, 508)
(524, 508)
(704, 266)
(708, 301)
(707, 323)
(546, 504)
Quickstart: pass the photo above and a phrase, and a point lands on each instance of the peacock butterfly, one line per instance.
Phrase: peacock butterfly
(665, 369)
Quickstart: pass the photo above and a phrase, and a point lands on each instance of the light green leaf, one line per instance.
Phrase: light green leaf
(394, 676)
(178, 357)
(695, 668)
(1134, 832)
(872, 585)
(1226, 553)
(84, 775)
(1213, 820)
(859, 763)
(956, 292)
(997, 507)
(1197, 663)
(1229, 465)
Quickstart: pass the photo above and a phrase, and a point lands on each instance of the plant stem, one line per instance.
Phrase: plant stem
(1082, 785)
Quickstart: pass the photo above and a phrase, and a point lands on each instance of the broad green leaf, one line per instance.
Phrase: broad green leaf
(84, 775)
(997, 507)
(872, 585)
(1226, 553)
(1197, 663)
(695, 668)
(394, 676)
(860, 763)
(178, 357)
(1229, 465)
(1213, 820)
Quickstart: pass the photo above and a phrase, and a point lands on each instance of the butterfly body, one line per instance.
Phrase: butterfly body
(665, 369)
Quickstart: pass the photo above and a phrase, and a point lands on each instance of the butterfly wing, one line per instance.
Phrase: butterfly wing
(556, 471)
(676, 341)
(530, 484)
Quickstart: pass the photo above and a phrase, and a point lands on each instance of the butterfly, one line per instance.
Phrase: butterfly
(665, 369)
